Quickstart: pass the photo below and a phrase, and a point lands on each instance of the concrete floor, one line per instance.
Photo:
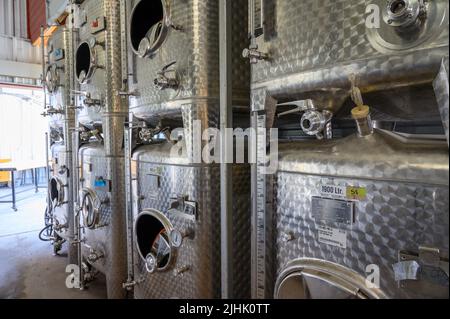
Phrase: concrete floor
(28, 270)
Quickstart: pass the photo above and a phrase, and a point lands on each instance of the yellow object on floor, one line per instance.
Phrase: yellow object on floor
(5, 177)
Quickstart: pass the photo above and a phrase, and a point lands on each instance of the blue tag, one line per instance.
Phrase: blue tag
(100, 183)
(58, 54)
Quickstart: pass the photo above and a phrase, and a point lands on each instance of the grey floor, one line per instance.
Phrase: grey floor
(28, 269)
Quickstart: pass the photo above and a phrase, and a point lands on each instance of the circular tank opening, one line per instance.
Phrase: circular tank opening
(305, 286)
(146, 26)
(83, 60)
(88, 211)
(90, 207)
(54, 190)
(152, 237)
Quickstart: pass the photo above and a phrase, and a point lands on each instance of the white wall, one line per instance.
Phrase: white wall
(22, 128)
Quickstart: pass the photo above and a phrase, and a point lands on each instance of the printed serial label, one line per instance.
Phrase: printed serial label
(332, 236)
(335, 210)
(343, 192)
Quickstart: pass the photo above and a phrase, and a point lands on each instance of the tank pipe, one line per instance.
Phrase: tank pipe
(43, 67)
(47, 157)
(252, 23)
(68, 141)
(226, 122)
(128, 155)
(114, 117)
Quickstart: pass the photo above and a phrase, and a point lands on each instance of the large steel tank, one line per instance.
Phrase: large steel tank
(90, 59)
(101, 197)
(59, 84)
(176, 213)
(174, 243)
(324, 55)
(350, 208)
(54, 77)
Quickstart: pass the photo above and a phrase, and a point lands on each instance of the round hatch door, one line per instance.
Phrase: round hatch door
(153, 240)
(319, 279)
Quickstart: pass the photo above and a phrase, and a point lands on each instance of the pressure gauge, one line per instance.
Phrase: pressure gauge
(177, 238)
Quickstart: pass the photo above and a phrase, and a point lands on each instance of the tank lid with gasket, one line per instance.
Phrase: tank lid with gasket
(320, 279)
(90, 208)
(85, 61)
(149, 26)
(156, 240)
(56, 192)
(52, 78)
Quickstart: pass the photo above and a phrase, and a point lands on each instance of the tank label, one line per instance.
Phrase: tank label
(333, 236)
(344, 192)
(333, 191)
(356, 193)
(334, 210)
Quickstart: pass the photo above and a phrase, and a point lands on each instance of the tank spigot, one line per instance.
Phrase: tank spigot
(167, 78)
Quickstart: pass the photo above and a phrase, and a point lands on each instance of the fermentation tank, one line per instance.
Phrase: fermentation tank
(174, 220)
(101, 116)
(312, 61)
(59, 83)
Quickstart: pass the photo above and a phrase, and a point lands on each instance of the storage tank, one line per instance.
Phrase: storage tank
(100, 158)
(350, 208)
(59, 85)
(311, 62)
(174, 225)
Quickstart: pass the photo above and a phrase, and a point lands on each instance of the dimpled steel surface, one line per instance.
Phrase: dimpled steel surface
(96, 87)
(195, 49)
(406, 205)
(199, 183)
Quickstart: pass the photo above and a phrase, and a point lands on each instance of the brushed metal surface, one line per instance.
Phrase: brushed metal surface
(57, 98)
(315, 47)
(406, 205)
(195, 49)
(61, 99)
(199, 183)
(61, 213)
(114, 118)
(96, 87)
(441, 89)
(93, 166)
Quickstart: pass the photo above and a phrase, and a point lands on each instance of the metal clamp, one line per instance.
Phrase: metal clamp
(128, 93)
(181, 270)
(254, 55)
(52, 111)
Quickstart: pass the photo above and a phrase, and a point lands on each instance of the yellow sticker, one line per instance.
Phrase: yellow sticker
(356, 193)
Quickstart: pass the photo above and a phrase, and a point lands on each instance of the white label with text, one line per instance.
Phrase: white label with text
(332, 236)
(333, 191)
